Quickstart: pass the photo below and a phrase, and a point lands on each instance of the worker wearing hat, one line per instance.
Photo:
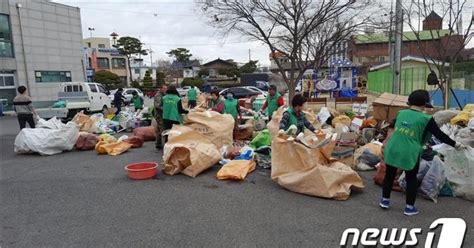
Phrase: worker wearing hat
(412, 130)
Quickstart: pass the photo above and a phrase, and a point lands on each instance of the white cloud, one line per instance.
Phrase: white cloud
(165, 26)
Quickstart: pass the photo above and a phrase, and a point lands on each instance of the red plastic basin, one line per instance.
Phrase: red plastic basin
(141, 171)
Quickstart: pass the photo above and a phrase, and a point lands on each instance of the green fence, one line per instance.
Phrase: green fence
(411, 79)
(414, 79)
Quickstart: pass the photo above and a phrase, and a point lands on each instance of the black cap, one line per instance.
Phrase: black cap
(420, 98)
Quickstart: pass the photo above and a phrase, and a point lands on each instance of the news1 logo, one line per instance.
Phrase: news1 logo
(451, 236)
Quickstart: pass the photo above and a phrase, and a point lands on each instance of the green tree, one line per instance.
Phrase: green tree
(147, 78)
(180, 54)
(204, 72)
(135, 84)
(130, 46)
(249, 67)
(198, 82)
(229, 72)
(107, 78)
(160, 78)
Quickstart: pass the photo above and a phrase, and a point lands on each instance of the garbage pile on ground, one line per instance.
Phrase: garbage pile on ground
(323, 164)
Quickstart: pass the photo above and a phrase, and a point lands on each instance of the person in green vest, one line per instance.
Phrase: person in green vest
(216, 103)
(295, 116)
(231, 106)
(172, 108)
(192, 97)
(412, 129)
(157, 104)
(273, 102)
(137, 101)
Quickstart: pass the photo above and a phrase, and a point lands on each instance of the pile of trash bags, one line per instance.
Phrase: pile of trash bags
(49, 138)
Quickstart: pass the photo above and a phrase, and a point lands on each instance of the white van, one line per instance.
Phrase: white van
(78, 96)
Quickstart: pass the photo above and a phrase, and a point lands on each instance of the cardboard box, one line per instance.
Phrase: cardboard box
(387, 106)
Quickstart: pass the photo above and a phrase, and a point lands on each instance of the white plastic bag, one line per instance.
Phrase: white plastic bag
(47, 141)
(460, 172)
(433, 180)
(324, 115)
(52, 123)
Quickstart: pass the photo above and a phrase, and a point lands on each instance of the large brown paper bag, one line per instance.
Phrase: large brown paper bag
(216, 127)
(84, 122)
(274, 125)
(236, 170)
(307, 170)
(188, 152)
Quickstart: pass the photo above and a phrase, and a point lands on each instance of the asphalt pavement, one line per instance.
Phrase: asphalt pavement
(81, 199)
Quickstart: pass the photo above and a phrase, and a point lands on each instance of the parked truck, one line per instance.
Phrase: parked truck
(76, 97)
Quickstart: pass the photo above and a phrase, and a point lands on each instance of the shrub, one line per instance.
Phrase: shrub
(192, 82)
(107, 78)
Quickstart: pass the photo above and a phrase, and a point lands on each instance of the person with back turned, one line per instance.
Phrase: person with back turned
(172, 108)
(24, 108)
(413, 129)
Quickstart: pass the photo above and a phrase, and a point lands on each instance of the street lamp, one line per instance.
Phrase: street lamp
(90, 30)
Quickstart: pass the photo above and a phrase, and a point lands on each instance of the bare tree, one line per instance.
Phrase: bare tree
(304, 31)
(455, 36)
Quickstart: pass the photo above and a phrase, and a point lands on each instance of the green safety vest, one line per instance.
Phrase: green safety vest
(192, 95)
(272, 104)
(298, 121)
(137, 102)
(405, 146)
(170, 108)
(231, 107)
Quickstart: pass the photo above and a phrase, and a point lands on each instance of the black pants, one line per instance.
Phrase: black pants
(168, 124)
(192, 104)
(412, 183)
(119, 108)
(24, 118)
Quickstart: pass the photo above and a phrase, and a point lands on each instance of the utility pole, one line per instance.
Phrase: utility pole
(90, 30)
(250, 56)
(398, 47)
(151, 56)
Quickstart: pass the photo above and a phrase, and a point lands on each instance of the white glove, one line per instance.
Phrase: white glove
(460, 146)
(292, 130)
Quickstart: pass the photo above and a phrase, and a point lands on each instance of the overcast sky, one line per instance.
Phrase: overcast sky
(166, 24)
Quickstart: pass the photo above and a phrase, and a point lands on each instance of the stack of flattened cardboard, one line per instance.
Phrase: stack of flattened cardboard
(387, 106)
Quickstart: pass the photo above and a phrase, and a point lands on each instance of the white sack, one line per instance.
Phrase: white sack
(47, 141)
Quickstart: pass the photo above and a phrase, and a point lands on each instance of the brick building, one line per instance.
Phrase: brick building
(371, 49)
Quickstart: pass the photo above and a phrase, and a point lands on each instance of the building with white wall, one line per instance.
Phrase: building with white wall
(40, 47)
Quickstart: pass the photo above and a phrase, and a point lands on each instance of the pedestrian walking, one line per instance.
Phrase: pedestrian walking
(411, 131)
(118, 100)
(24, 109)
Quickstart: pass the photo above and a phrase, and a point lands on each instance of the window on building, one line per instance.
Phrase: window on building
(101, 45)
(7, 79)
(89, 45)
(137, 71)
(6, 45)
(118, 63)
(103, 63)
(52, 76)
